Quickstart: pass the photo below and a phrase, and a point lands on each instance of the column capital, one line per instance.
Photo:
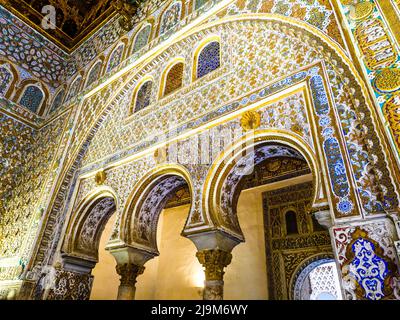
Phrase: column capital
(214, 261)
(130, 255)
(128, 273)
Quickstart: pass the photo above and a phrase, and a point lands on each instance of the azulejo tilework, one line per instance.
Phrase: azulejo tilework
(57, 101)
(6, 78)
(369, 269)
(106, 37)
(170, 17)
(367, 261)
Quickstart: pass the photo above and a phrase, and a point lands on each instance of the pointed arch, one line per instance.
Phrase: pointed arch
(94, 73)
(74, 87)
(117, 55)
(57, 101)
(291, 221)
(8, 79)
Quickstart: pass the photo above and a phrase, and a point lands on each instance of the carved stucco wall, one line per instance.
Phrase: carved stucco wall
(32, 169)
(258, 67)
(32, 58)
(258, 61)
(285, 253)
(344, 101)
(28, 194)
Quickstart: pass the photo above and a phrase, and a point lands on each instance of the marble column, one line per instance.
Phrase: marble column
(214, 261)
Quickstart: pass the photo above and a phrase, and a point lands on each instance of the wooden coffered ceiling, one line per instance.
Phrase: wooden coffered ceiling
(75, 19)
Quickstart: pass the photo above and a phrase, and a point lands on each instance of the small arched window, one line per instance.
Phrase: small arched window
(94, 74)
(174, 78)
(143, 96)
(58, 100)
(208, 59)
(170, 17)
(142, 38)
(291, 223)
(32, 98)
(116, 57)
(6, 78)
(74, 88)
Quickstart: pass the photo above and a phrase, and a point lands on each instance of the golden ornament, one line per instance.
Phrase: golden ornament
(250, 120)
(361, 10)
(100, 177)
(348, 2)
(388, 80)
(160, 155)
(391, 110)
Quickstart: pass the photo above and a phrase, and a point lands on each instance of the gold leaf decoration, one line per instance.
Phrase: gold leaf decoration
(391, 110)
(388, 80)
(100, 177)
(250, 120)
(160, 155)
(361, 10)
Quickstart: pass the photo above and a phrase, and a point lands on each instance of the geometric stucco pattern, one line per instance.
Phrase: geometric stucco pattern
(21, 213)
(194, 101)
(127, 100)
